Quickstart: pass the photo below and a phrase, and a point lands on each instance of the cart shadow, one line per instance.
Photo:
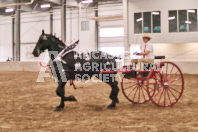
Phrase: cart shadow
(95, 107)
(141, 106)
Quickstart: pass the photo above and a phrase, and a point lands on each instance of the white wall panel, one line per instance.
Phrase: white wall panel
(73, 28)
(164, 6)
(111, 41)
(57, 22)
(108, 44)
(87, 38)
(176, 46)
(110, 9)
(5, 38)
(32, 26)
(111, 23)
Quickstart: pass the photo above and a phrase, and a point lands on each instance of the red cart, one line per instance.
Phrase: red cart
(163, 85)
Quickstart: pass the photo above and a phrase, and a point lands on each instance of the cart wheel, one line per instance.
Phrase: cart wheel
(165, 84)
(135, 90)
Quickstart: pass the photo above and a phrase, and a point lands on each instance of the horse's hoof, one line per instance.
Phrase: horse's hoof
(72, 98)
(117, 101)
(58, 109)
(110, 107)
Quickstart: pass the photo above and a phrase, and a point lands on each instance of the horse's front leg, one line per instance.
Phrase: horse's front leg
(60, 91)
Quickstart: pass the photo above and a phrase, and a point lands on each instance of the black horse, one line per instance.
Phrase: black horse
(77, 66)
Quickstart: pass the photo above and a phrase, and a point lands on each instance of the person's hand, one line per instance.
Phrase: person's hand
(136, 53)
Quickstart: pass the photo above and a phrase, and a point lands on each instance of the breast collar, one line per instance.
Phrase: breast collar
(65, 51)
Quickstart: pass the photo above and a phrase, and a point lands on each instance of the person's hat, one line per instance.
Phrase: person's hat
(146, 36)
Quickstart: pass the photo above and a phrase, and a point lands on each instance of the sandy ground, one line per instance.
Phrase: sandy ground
(26, 105)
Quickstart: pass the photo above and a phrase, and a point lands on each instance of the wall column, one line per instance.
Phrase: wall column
(51, 23)
(13, 40)
(97, 31)
(126, 32)
(63, 21)
(18, 31)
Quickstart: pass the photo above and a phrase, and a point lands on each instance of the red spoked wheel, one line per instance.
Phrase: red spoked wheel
(165, 84)
(135, 90)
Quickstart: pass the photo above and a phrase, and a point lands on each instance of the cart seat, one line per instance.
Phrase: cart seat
(159, 57)
(150, 66)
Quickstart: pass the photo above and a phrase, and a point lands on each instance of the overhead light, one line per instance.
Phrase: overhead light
(191, 11)
(155, 13)
(9, 10)
(45, 6)
(140, 19)
(87, 1)
(171, 18)
(188, 22)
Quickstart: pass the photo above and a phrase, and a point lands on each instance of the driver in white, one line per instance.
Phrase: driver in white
(146, 53)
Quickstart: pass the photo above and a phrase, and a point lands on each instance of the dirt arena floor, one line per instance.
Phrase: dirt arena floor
(26, 105)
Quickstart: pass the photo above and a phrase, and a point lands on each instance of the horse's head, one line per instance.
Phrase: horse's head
(42, 44)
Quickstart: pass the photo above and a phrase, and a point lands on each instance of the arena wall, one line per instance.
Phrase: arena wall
(177, 52)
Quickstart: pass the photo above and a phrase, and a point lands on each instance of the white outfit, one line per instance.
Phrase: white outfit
(149, 47)
(147, 59)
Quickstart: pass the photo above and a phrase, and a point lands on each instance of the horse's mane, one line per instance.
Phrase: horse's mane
(57, 40)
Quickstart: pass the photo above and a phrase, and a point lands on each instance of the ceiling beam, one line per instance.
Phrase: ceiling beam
(17, 4)
(55, 1)
(106, 18)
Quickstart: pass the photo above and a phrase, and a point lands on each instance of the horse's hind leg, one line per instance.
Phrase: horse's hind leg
(60, 91)
(114, 94)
